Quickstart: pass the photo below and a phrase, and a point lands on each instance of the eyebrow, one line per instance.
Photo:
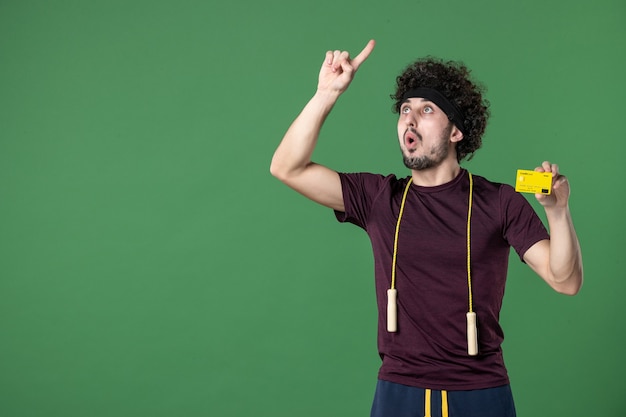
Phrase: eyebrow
(424, 100)
(420, 98)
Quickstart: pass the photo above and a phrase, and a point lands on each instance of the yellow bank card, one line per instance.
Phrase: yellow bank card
(533, 182)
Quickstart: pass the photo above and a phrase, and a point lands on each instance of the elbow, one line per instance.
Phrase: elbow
(571, 291)
(571, 286)
(274, 170)
(284, 170)
(275, 167)
(277, 171)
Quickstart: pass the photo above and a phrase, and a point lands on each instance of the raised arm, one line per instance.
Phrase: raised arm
(559, 260)
(292, 159)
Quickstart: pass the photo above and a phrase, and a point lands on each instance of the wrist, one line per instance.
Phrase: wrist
(326, 96)
(557, 212)
(324, 100)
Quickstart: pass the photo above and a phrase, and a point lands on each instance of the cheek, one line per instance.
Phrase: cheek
(402, 124)
(401, 131)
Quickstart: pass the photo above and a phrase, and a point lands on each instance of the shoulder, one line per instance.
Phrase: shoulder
(488, 185)
(504, 192)
(369, 182)
(501, 198)
(362, 192)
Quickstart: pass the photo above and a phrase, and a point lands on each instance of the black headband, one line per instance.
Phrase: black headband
(454, 114)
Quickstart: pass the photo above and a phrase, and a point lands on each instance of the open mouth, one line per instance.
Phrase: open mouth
(411, 137)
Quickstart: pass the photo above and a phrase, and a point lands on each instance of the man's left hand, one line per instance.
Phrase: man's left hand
(559, 196)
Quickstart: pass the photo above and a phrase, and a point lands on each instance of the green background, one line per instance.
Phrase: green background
(151, 266)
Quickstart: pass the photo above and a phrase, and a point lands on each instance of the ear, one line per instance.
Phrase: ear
(455, 134)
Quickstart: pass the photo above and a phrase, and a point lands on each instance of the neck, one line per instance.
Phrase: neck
(438, 175)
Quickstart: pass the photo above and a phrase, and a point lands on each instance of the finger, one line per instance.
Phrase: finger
(547, 166)
(364, 54)
(329, 58)
(334, 58)
(339, 58)
(555, 170)
(552, 168)
(541, 168)
(559, 180)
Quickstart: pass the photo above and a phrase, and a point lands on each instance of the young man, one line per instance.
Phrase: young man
(441, 239)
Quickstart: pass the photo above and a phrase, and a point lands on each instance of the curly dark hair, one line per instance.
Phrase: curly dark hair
(452, 79)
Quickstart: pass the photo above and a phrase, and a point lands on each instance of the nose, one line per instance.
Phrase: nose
(409, 119)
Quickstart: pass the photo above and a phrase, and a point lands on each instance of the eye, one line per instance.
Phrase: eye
(405, 109)
(428, 109)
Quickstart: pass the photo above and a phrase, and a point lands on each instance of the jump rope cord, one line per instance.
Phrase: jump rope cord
(469, 221)
(469, 258)
(395, 239)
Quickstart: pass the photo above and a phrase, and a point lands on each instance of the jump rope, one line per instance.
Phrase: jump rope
(392, 293)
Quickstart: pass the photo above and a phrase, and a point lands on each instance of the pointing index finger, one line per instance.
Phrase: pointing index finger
(362, 56)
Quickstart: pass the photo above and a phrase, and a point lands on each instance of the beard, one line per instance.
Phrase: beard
(436, 155)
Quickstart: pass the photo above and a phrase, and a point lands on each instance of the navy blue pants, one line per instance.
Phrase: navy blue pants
(396, 400)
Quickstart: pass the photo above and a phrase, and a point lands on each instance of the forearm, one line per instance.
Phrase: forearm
(566, 266)
(296, 149)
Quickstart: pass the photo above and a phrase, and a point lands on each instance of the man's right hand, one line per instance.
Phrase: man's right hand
(338, 69)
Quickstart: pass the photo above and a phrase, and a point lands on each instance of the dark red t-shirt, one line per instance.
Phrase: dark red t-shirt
(429, 350)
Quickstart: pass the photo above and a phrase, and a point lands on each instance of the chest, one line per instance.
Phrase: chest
(435, 228)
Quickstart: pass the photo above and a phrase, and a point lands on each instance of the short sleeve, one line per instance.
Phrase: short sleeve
(359, 193)
(522, 226)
